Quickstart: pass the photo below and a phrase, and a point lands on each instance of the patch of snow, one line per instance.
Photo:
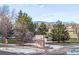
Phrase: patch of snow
(54, 46)
(18, 50)
(29, 50)
(76, 46)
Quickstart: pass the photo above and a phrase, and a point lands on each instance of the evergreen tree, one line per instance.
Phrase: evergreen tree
(24, 23)
(42, 29)
(59, 32)
(23, 28)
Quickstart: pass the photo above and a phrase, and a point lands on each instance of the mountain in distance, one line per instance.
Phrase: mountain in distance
(39, 22)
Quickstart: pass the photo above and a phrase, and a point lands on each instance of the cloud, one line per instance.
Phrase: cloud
(41, 6)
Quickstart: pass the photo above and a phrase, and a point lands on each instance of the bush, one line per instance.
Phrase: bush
(22, 38)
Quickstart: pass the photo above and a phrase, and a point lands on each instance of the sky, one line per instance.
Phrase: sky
(49, 12)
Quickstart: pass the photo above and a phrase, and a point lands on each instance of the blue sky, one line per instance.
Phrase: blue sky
(50, 12)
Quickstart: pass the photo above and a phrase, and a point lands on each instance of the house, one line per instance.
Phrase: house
(71, 31)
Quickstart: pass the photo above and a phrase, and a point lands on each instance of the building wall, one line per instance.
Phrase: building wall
(71, 31)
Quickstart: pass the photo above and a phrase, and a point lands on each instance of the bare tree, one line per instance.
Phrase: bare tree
(28, 37)
(5, 23)
(5, 26)
(22, 38)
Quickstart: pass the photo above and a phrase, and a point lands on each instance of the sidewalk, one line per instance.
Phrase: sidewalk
(27, 50)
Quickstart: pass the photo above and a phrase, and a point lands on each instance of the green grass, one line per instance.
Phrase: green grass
(73, 40)
(9, 41)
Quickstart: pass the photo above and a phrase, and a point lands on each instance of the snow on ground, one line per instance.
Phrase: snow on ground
(20, 50)
(54, 46)
(29, 50)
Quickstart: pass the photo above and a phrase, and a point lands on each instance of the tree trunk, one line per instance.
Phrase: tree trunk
(76, 32)
(6, 43)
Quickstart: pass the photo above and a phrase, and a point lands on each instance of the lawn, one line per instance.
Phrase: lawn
(12, 41)
(73, 40)
(9, 41)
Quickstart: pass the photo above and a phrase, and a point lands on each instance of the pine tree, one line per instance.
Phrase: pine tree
(24, 23)
(42, 29)
(23, 28)
(59, 32)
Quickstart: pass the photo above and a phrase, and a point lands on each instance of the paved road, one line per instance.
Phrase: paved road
(49, 53)
(56, 52)
(61, 51)
(9, 53)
